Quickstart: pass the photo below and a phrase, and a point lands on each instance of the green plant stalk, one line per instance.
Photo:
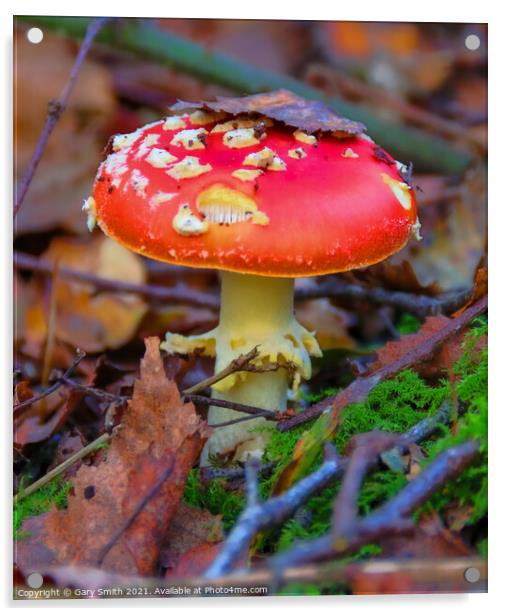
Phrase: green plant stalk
(143, 39)
(36, 485)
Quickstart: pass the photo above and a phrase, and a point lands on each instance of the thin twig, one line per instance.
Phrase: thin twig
(208, 473)
(251, 411)
(367, 448)
(93, 391)
(437, 574)
(56, 108)
(56, 385)
(252, 481)
(417, 304)
(360, 388)
(239, 363)
(58, 470)
(179, 294)
(137, 510)
(51, 324)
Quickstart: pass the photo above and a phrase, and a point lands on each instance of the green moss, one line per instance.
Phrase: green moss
(394, 405)
(53, 493)
(215, 497)
(482, 547)
(471, 488)
(408, 324)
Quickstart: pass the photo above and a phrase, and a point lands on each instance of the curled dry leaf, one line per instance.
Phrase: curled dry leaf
(158, 432)
(395, 276)
(453, 235)
(283, 106)
(90, 320)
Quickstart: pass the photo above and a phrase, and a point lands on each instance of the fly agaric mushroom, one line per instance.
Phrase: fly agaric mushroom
(265, 188)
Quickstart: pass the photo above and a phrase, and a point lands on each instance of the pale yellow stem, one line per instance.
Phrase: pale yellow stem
(254, 310)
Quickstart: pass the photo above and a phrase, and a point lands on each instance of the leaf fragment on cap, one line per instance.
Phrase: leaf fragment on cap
(201, 117)
(283, 106)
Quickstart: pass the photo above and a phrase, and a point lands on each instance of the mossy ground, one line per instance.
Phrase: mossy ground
(394, 405)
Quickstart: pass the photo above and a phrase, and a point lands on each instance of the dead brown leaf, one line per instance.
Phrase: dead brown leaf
(328, 322)
(157, 432)
(192, 541)
(453, 235)
(65, 174)
(429, 539)
(40, 420)
(395, 276)
(442, 360)
(90, 320)
(283, 106)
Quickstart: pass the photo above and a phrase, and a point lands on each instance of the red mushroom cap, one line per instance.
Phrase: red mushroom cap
(251, 195)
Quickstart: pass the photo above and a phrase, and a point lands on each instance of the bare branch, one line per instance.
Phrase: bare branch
(366, 449)
(278, 509)
(393, 517)
(417, 304)
(241, 362)
(179, 294)
(443, 574)
(420, 305)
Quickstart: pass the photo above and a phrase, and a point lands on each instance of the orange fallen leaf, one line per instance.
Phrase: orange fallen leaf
(85, 318)
(157, 433)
